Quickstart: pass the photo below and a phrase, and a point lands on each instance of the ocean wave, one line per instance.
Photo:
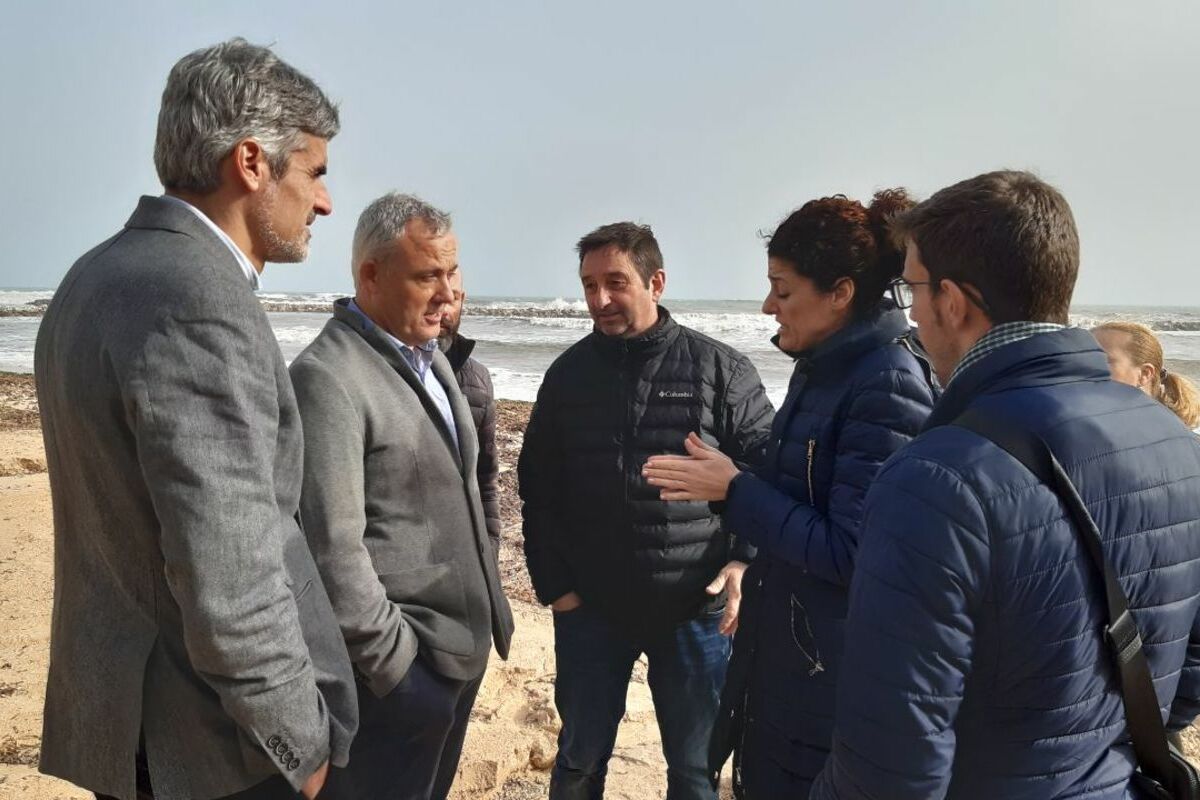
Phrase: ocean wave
(303, 306)
(1172, 321)
(18, 297)
(583, 323)
(296, 335)
(512, 384)
(713, 324)
(556, 308)
(300, 297)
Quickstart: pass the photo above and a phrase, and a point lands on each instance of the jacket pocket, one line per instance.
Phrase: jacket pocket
(434, 586)
(433, 601)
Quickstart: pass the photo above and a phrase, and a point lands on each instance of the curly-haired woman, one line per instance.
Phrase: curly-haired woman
(857, 394)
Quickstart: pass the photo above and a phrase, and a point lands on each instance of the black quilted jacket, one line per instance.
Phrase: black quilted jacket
(591, 522)
(476, 386)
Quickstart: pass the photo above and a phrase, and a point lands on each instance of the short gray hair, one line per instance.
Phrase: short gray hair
(383, 221)
(220, 95)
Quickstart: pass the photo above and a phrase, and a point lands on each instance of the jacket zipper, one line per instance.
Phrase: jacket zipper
(741, 751)
(626, 425)
(812, 450)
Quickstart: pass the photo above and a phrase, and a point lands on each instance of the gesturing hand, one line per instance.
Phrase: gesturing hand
(703, 474)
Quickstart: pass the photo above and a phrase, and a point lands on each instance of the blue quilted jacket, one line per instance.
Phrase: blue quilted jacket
(975, 665)
(852, 402)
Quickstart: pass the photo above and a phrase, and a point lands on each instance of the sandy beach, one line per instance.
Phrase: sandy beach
(510, 744)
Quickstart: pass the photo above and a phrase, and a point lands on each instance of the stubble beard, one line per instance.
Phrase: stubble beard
(446, 333)
(279, 249)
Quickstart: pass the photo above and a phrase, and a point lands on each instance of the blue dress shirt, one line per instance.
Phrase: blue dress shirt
(421, 359)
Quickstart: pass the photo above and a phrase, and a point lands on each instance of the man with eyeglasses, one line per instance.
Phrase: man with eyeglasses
(975, 662)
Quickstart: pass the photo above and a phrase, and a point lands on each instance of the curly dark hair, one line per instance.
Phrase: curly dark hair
(833, 238)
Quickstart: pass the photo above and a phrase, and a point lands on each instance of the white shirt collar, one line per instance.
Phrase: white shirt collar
(248, 268)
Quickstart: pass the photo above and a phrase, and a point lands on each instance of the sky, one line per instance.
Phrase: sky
(533, 123)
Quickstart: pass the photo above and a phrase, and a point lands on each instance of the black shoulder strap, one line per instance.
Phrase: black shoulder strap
(1142, 713)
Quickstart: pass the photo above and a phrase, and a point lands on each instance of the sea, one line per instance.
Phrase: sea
(518, 337)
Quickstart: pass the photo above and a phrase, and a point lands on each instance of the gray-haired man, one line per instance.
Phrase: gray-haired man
(194, 652)
(391, 507)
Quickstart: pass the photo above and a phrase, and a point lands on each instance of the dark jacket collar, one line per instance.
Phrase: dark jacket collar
(883, 324)
(457, 351)
(1065, 356)
(657, 338)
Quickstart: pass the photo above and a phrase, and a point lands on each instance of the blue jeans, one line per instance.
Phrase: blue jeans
(595, 659)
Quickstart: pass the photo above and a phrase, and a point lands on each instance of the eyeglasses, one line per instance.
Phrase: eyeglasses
(902, 291)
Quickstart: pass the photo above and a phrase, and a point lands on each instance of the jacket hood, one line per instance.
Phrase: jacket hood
(1064, 356)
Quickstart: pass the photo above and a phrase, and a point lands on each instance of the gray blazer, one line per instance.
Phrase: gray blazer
(187, 607)
(392, 511)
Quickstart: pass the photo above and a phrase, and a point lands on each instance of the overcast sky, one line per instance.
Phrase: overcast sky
(535, 122)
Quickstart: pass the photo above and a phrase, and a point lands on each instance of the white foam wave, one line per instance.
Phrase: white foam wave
(558, 307)
(16, 360)
(1173, 320)
(515, 385)
(300, 297)
(570, 323)
(713, 324)
(301, 334)
(20, 297)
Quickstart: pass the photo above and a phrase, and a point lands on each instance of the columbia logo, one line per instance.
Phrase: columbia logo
(676, 395)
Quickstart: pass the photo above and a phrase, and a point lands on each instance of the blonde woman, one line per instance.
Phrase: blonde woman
(1135, 357)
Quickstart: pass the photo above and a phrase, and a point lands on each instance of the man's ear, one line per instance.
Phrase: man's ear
(368, 276)
(956, 307)
(250, 167)
(658, 282)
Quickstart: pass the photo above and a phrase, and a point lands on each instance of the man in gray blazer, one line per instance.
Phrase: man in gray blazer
(194, 653)
(391, 507)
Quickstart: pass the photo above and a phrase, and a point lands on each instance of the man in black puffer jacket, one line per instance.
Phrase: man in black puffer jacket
(476, 385)
(625, 572)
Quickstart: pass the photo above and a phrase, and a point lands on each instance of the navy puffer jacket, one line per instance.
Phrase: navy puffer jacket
(975, 664)
(852, 402)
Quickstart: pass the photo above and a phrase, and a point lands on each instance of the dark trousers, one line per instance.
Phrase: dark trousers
(408, 742)
(273, 788)
(594, 661)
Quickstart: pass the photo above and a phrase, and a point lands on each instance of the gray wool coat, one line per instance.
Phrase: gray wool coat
(187, 607)
(391, 509)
